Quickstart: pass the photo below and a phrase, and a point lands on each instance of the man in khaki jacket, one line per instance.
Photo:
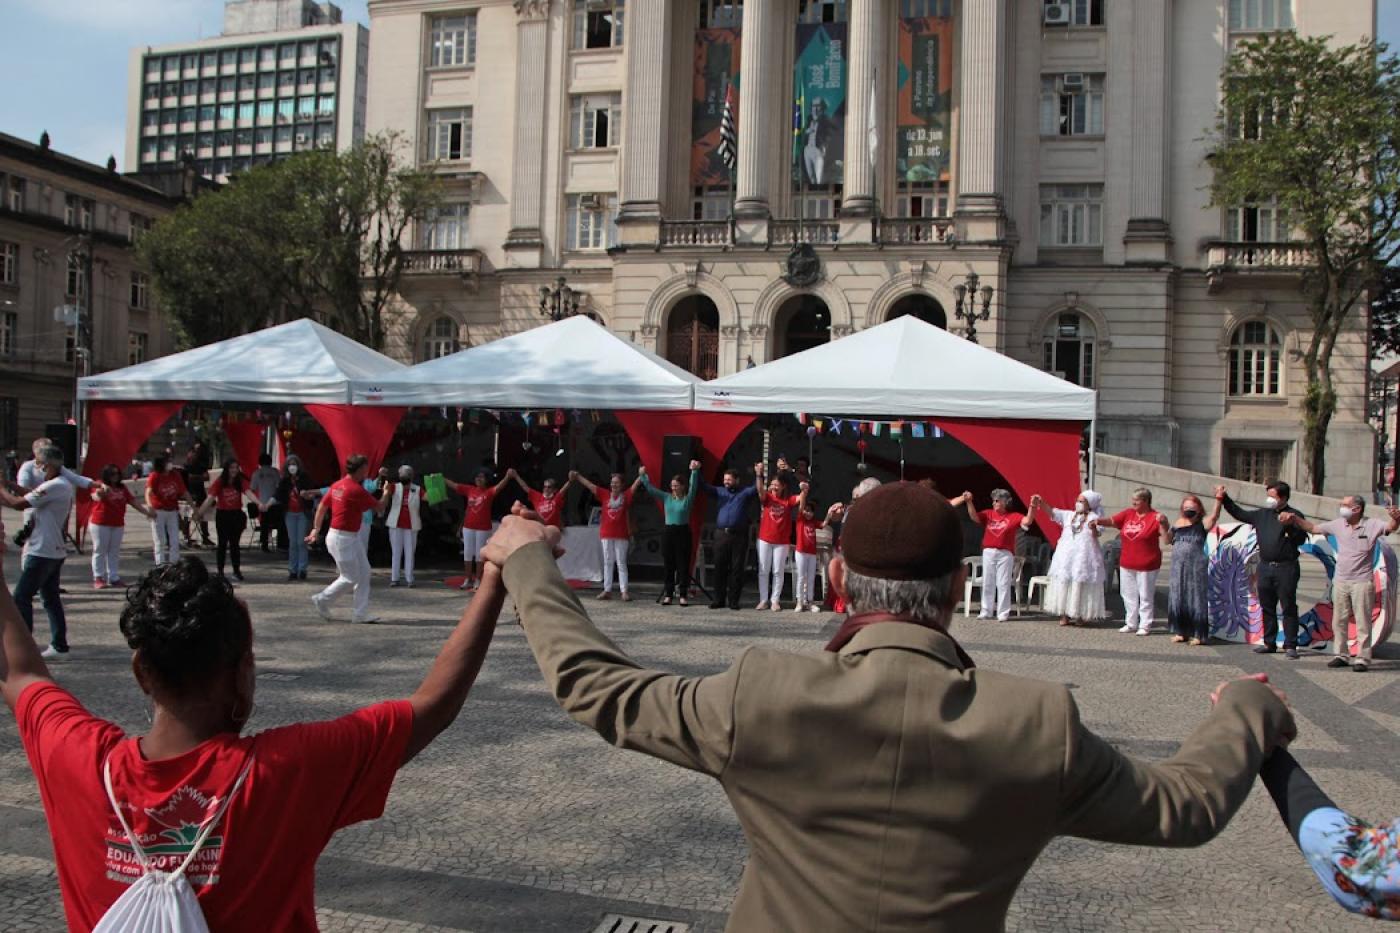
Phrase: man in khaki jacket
(888, 783)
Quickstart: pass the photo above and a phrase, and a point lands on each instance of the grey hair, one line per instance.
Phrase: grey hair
(868, 484)
(50, 455)
(1143, 492)
(1001, 495)
(1359, 502)
(922, 599)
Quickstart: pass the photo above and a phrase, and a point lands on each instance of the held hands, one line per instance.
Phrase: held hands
(758, 469)
(519, 529)
(642, 471)
(1286, 518)
(1263, 678)
(836, 511)
(1219, 493)
(695, 464)
(573, 475)
(804, 486)
(1036, 501)
(1393, 513)
(1162, 520)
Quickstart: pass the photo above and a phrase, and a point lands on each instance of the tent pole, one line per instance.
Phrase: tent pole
(1093, 442)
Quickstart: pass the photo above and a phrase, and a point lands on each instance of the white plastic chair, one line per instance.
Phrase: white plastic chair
(1036, 584)
(974, 581)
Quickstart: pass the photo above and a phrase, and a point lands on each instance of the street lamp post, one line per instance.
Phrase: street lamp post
(559, 302)
(966, 296)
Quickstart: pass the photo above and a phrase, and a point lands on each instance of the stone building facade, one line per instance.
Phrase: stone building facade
(1054, 151)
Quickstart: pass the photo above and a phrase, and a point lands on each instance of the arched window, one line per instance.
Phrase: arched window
(441, 339)
(1256, 360)
(803, 322)
(1070, 341)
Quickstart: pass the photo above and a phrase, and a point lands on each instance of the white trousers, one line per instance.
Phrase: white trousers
(998, 568)
(353, 564)
(106, 551)
(402, 543)
(165, 531)
(772, 564)
(615, 555)
(806, 577)
(363, 535)
(1138, 589)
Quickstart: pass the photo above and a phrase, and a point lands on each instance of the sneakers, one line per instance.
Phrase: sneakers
(1339, 661)
(716, 605)
(52, 654)
(302, 575)
(1127, 630)
(1265, 648)
(238, 575)
(799, 608)
(682, 602)
(395, 584)
(99, 584)
(1360, 666)
(466, 584)
(665, 600)
(118, 581)
(814, 608)
(319, 602)
(1290, 653)
(409, 584)
(984, 617)
(1144, 631)
(367, 620)
(291, 577)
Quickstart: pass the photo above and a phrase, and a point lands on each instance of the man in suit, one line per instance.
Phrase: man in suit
(888, 783)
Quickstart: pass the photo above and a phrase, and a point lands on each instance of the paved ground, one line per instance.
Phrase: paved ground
(517, 820)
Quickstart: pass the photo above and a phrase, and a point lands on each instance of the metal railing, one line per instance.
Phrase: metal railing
(697, 233)
(442, 262)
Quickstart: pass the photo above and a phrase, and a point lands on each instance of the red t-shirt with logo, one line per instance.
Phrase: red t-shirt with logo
(257, 868)
(110, 510)
(999, 530)
(294, 501)
(166, 490)
(807, 534)
(227, 497)
(349, 502)
(1142, 542)
(613, 526)
(405, 516)
(550, 508)
(775, 518)
(479, 501)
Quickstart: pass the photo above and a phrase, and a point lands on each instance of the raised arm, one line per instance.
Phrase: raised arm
(1213, 518)
(20, 663)
(694, 484)
(1297, 521)
(510, 475)
(971, 508)
(641, 479)
(805, 489)
(758, 479)
(520, 481)
(584, 481)
(650, 490)
(78, 480)
(439, 699)
(1238, 514)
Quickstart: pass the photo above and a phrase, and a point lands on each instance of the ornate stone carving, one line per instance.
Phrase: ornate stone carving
(650, 330)
(730, 330)
(917, 268)
(532, 9)
(804, 266)
(758, 330)
(841, 330)
(692, 272)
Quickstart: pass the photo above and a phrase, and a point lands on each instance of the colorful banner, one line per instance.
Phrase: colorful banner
(819, 84)
(716, 65)
(925, 98)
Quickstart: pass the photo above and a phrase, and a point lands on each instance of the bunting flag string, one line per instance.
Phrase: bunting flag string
(896, 429)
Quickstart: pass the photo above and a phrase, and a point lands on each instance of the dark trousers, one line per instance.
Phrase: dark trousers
(731, 548)
(1278, 583)
(229, 525)
(675, 558)
(271, 522)
(40, 575)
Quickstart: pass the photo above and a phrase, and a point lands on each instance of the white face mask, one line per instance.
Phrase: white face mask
(1081, 507)
(1345, 512)
(292, 469)
(1271, 503)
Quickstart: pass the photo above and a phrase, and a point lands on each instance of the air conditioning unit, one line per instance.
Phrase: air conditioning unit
(1057, 14)
(1074, 81)
(590, 202)
(301, 138)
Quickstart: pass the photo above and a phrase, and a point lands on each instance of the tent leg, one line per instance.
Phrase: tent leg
(1093, 443)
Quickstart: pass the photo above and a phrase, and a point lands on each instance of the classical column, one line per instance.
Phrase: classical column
(758, 93)
(531, 72)
(867, 20)
(645, 118)
(1148, 235)
(983, 106)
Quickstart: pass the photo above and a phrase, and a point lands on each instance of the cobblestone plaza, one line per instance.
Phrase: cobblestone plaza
(516, 819)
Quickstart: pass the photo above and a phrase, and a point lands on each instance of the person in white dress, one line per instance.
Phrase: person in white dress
(1077, 572)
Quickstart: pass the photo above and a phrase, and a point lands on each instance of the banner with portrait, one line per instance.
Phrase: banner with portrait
(819, 104)
(716, 66)
(924, 122)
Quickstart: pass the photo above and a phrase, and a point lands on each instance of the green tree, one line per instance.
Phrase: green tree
(1316, 126)
(319, 234)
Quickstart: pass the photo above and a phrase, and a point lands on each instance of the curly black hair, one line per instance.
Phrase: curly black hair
(187, 624)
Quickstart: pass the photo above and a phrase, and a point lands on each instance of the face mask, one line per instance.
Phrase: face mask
(1271, 503)
(1080, 507)
(292, 469)
(1190, 513)
(1345, 512)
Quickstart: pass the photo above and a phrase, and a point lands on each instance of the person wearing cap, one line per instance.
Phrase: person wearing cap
(1077, 571)
(888, 783)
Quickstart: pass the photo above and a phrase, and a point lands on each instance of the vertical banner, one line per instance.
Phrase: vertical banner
(819, 87)
(925, 98)
(716, 66)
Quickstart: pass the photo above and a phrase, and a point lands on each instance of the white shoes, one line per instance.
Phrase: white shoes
(1127, 630)
(814, 608)
(319, 602)
(53, 654)
(1144, 631)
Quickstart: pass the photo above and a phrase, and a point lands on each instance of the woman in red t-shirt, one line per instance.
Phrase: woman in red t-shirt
(806, 555)
(1140, 530)
(108, 525)
(613, 532)
(192, 643)
(226, 500)
(548, 501)
(776, 507)
(476, 522)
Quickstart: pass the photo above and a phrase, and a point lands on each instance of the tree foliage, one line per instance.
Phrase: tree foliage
(1315, 125)
(1385, 314)
(319, 234)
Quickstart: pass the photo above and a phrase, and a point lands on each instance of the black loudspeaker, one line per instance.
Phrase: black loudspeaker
(677, 450)
(65, 438)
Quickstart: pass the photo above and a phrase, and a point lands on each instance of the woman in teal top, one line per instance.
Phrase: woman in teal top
(675, 538)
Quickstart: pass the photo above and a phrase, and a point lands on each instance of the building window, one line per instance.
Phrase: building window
(9, 263)
(1075, 13)
(1256, 360)
(822, 11)
(1071, 105)
(136, 346)
(453, 41)
(9, 423)
(1071, 215)
(77, 212)
(721, 14)
(595, 121)
(325, 105)
(9, 330)
(70, 345)
(1255, 464)
(710, 203)
(1260, 15)
(1256, 223)
(140, 290)
(597, 24)
(75, 282)
(589, 221)
(441, 339)
(922, 199)
(1069, 348)
(446, 227)
(450, 134)
(139, 225)
(14, 196)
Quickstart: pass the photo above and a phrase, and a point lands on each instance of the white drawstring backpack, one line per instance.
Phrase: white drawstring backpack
(159, 901)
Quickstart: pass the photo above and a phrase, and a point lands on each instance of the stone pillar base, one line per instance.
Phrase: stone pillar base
(639, 229)
(751, 230)
(980, 218)
(856, 230)
(1147, 242)
(524, 247)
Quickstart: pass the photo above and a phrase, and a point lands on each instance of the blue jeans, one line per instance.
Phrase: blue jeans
(40, 575)
(298, 554)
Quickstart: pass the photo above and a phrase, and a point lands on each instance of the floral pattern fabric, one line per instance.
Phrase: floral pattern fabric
(1356, 862)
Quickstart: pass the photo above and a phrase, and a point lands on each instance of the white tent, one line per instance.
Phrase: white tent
(902, 367)
(298, 362)
(574, 363)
